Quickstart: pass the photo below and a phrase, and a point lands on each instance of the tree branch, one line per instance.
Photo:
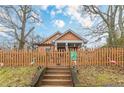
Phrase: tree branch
(29, 31)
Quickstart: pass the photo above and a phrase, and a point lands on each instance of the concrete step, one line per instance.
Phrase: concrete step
(58, 76)
(56, 82)
(58, 71)
(56, 86)
(63, 74)
(58, 68)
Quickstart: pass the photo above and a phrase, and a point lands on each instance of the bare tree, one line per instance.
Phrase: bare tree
(19, 21)
(121, 20)
(6, 43)
(34, 39)
(108, 23)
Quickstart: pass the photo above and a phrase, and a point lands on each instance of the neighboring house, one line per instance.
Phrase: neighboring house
(66, 41)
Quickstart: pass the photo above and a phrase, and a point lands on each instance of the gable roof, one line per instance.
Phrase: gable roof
(51, 37)
(69, 30)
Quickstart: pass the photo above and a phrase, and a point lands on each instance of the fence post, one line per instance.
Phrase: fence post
(46, 61)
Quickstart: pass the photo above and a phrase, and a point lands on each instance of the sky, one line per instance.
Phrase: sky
(61, 18)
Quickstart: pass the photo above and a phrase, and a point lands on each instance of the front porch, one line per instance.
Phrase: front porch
(68, 45)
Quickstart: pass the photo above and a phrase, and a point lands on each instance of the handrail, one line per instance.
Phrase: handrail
(38, 76)
(74, 73)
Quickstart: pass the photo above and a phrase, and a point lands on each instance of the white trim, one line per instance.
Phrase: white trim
(69, 41)
(69, 30)
(51, 36)
(56, 46)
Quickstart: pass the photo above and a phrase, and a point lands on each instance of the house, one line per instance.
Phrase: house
(62, 41)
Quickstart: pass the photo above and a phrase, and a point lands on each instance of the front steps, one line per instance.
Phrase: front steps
(56, 77)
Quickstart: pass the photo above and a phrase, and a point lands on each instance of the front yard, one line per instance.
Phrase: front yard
(93, 76)
(89, 76)
(20, 76)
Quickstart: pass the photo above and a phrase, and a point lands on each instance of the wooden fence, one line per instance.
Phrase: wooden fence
(101, 56)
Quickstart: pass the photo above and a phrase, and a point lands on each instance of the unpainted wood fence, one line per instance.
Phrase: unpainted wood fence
(101, 56)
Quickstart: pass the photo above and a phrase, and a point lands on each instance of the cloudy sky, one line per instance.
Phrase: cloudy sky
(61, 18)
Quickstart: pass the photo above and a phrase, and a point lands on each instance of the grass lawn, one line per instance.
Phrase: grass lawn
(20, 76)
(92, 76)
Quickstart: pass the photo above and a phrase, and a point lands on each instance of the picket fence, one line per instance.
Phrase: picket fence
(100, 56)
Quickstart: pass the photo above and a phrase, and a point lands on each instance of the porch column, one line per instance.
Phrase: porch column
(66, 46)
(82, 45)
(55, 46)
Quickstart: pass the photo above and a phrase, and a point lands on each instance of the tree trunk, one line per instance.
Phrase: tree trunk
(110, 37)
(111, 26)
(21, 45)
(120, 21)
(22, 39)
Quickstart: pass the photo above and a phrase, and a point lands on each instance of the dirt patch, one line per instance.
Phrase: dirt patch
(92, 76)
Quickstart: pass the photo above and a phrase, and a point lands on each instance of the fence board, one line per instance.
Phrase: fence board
(101, 56)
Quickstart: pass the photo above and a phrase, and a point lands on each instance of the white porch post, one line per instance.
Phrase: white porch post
(55, 46)
(66, 45)
(82, 45)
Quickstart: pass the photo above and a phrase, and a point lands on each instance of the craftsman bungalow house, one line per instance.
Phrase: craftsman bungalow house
(62, 41)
